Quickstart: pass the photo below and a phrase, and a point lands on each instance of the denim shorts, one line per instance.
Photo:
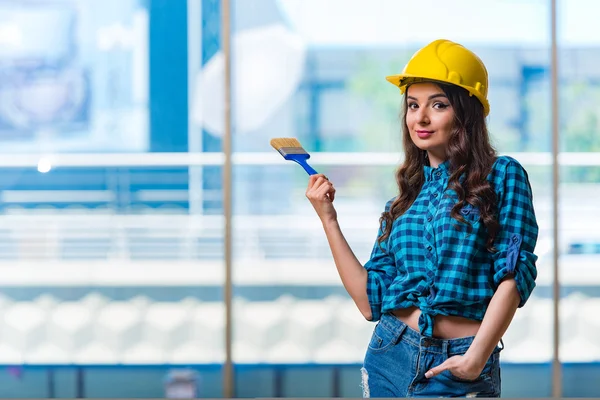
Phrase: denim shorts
(398, 358)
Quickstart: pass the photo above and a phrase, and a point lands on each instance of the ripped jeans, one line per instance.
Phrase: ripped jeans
(398, 357)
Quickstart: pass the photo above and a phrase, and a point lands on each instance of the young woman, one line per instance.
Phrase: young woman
(454, 257)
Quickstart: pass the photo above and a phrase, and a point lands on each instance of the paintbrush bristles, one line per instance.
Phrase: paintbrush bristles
(279, 143)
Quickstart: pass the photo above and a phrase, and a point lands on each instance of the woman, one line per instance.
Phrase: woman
(454, 258)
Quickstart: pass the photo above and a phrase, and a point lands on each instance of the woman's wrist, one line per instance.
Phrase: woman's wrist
(330, 223)
(476, 359)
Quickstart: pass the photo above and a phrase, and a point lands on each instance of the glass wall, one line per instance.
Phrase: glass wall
(579, 88)
(113, 217)
(299, 74)
(74, 76)
(111, 250)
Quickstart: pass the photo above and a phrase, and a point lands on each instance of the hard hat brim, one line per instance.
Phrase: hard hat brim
(394, 79)
(409, 78)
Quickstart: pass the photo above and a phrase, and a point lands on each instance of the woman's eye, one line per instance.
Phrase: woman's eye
(440, 105)
(413, 106)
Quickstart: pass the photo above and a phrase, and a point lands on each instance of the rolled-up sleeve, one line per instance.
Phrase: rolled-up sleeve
(518, 232)
(381, 271)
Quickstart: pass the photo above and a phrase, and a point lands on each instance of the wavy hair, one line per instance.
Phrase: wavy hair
(471, 157)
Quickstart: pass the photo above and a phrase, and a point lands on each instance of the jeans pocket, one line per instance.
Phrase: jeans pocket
(481, 377)
(382, 338)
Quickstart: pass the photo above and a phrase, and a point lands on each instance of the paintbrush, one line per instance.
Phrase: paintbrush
(292, 150)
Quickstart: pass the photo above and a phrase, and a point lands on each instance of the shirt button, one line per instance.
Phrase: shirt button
(429, 248)
(435, 195)
(438, 173)
(429, 218)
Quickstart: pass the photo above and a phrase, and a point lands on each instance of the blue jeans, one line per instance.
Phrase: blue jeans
(398, 357)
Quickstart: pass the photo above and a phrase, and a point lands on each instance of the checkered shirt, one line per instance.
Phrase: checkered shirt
(441, 265)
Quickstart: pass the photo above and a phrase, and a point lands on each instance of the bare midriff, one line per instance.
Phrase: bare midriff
(444, 327)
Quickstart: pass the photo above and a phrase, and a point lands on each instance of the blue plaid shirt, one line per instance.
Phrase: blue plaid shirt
(436, 263)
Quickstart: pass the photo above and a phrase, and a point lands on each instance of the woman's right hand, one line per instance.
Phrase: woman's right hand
(321, 193)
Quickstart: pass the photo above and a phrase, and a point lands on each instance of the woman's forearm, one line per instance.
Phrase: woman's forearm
(496, 321)
(352, 273)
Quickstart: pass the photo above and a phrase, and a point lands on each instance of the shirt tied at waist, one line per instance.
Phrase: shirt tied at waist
(426, 322)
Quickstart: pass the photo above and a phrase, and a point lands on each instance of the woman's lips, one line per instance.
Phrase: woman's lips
(423, 134)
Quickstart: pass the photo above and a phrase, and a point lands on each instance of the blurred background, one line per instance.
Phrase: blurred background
(116, 121)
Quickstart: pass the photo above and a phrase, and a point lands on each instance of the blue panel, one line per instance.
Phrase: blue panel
(263, 380)
(258, 382)
(581, 380)
(168, 75)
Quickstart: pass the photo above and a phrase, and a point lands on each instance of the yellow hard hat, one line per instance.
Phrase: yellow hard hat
(445, 61)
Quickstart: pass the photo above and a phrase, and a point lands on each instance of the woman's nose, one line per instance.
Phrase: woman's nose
(423, 116)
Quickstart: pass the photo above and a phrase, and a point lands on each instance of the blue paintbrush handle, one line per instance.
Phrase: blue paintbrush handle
(301, 159)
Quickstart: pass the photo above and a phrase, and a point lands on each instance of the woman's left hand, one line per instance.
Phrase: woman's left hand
(462, 367)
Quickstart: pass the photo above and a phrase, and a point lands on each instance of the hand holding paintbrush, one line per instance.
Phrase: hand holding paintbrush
(320, 191)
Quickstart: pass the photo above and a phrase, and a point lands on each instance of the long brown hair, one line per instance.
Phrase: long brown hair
(471, 156)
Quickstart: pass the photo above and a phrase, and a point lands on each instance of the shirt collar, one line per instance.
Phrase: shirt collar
(442, 171)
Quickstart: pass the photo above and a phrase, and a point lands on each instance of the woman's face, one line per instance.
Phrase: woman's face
(430, 120)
